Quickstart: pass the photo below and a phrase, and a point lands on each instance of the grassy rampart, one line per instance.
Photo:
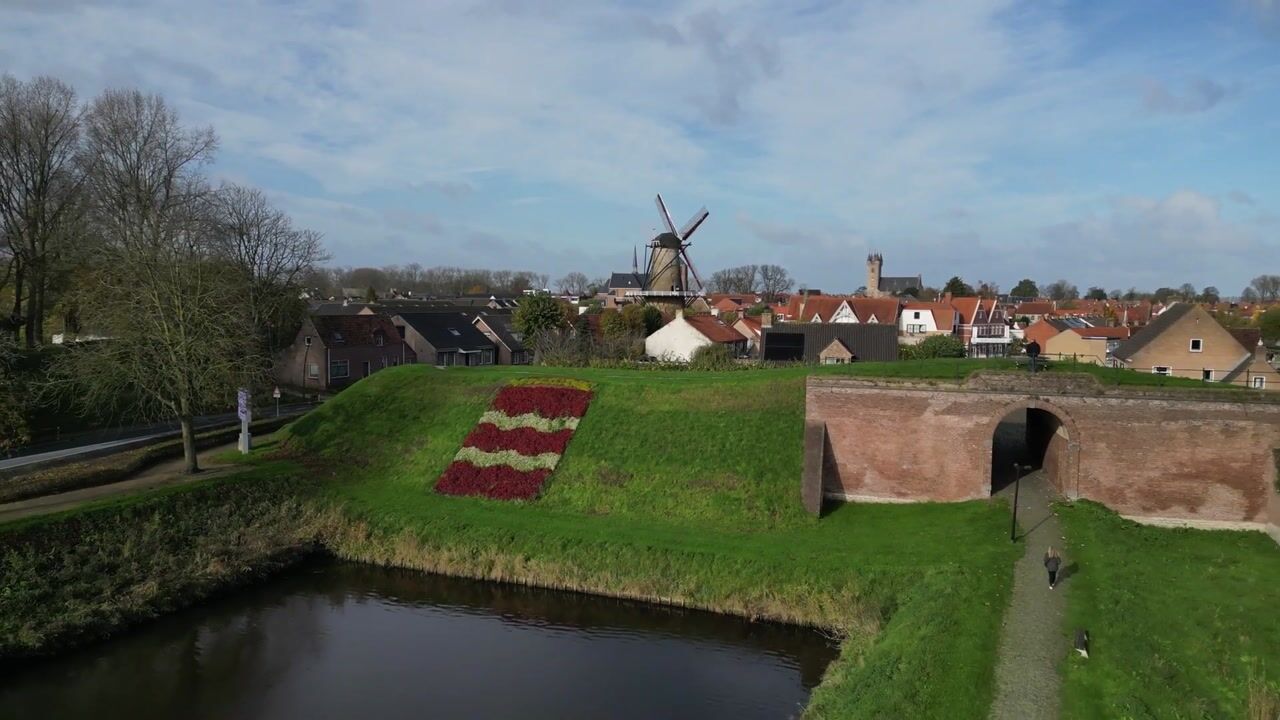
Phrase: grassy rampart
(681, 488)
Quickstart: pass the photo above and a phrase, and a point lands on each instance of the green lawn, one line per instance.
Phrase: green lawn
(1183, 623)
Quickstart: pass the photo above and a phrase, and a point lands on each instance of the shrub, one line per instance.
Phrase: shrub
(715, 356)
(940, 346)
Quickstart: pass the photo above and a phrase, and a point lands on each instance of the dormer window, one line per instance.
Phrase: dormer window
(454, 332)
(379, 340)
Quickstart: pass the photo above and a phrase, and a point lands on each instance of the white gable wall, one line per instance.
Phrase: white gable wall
(675, 342)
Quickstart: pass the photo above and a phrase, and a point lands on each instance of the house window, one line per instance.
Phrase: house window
(913, 329)
(307, 341)
(454, 332)
(337, 338)
(832, 361)
(915, 315)
(1160, 370)
(1206, 375)
(445, 358)
(1259, 383)
(339, 369)
(379, 340)
(1197, 345)
(313, 369)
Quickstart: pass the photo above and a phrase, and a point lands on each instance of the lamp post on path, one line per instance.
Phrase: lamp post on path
(1017, 484)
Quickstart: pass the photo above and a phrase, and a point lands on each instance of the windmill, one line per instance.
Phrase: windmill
(667, 265)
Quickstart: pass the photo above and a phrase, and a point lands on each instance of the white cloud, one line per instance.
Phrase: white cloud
(809, 132)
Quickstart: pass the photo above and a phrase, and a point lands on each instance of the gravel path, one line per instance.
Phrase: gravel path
(1033, 641)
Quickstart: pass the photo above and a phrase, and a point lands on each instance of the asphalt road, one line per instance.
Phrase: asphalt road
(129, 436)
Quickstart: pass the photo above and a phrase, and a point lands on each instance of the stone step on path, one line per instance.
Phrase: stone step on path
(1033, 643)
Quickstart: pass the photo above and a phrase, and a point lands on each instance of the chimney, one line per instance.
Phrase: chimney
(766, 319)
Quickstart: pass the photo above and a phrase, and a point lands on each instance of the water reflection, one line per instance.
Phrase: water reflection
(338, 641)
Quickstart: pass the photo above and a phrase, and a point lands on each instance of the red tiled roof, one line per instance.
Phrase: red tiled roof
(1035, 307)
(884, 310)
(967, 307)
(714, 330)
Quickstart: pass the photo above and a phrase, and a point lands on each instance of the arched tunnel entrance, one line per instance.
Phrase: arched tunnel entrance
(1026, 440)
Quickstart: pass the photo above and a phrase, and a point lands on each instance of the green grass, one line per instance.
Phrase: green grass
(682, 488)
(83, 574)
(1183, 623)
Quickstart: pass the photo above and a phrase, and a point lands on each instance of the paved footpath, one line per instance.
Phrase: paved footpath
(169, 472)
(1033, 642)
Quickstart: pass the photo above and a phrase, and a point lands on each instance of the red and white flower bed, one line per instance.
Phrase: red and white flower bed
(517, 443)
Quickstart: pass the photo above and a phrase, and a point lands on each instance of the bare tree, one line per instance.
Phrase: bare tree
(269, 254)
(774, 280)
(39, 189)
(740, 279)
(1061, 290)
(1267, 287)
(575, 283)
(181, 337)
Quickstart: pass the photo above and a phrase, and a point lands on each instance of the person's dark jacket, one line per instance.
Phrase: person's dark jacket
(1052, 563)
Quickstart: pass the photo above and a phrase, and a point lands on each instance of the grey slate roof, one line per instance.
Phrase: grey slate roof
(447, 331)
(337, 308)
(899, 284)
(627, 281)
(502, 326)
(1151, 331)
(805, 341)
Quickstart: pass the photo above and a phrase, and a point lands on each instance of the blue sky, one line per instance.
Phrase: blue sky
(1117, 143)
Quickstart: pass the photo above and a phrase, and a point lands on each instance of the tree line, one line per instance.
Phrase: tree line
(413, 278)
(1263, 288)
(109, 223)
(767, 280)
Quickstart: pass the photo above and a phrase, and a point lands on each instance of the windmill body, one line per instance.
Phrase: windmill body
(670, 278)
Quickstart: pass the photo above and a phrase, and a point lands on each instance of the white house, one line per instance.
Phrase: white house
(919, 320)
(679, 339)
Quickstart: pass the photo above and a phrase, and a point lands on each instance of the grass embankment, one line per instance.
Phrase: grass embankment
(681, 488)
(80, 575)
(1183, 623)
(21, 485)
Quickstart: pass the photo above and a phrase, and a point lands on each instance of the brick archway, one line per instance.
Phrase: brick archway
(1067, 475)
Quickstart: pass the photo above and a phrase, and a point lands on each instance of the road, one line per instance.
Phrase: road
(166, 473)
(130, 436)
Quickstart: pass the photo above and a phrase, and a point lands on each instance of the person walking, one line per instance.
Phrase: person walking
(1052, 561)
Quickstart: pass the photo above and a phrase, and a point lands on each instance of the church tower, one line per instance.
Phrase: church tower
(875, 262)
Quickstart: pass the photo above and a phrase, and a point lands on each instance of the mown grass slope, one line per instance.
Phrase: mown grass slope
(1183, 623)
(684, 488)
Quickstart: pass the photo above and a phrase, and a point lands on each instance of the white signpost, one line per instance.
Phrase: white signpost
(246, 416)
(276, 395)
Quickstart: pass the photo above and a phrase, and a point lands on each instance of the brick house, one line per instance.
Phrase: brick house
(509, 341)
(1186, 341)
(331, 352)
(445, 339)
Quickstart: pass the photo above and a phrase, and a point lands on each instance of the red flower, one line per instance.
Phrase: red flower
(499, 482)
(547, 402)
(525, 440)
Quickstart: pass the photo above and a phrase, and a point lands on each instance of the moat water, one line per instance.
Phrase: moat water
(338, 640)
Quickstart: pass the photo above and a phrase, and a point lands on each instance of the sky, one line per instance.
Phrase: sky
(1118, 143)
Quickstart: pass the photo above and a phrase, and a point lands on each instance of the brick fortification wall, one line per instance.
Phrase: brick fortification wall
(1156, 455)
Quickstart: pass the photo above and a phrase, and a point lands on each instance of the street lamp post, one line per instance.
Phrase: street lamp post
(1017, 484)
